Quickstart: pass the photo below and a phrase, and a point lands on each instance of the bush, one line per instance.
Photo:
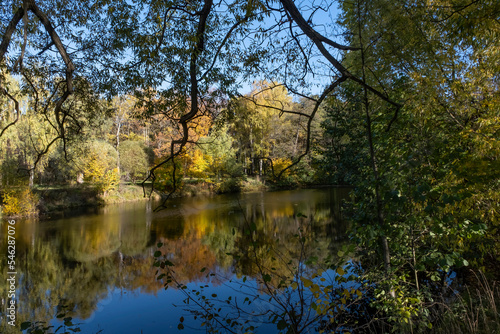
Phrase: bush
(104, 180)
(108, 182)
(251, 184)
(229, 185)
(21, 202)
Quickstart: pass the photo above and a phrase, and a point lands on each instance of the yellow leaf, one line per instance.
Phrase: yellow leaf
(307, 282)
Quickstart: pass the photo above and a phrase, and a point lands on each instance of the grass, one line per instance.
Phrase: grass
(127, 193)
(474, 311)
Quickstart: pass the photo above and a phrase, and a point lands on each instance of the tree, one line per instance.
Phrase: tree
(219, 147)
(99, 166)
(412, 189)
(197, 48)
(420, 77)
(133, 159)
(122, 111)
(256, 125)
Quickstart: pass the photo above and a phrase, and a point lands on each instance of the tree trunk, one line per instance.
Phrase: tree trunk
(118, 128)
(296, 138)
(32, 176)
(380, 218)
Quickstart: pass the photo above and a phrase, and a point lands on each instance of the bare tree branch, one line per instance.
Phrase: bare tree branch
(325, 93)
(194, 109)
(308, 30)
(16, 107)
(318, 40)
(19, 61)
(221, 45)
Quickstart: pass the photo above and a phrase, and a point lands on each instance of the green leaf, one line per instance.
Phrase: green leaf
(157, 253)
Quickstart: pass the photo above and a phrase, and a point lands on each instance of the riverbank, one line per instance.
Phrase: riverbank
(51, 199)
(42, 200)
(69, 197)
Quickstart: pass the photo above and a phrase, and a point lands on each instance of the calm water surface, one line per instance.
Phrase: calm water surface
(97, 268)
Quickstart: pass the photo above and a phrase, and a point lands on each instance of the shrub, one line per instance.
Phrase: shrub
(21, 202)
(230, 185)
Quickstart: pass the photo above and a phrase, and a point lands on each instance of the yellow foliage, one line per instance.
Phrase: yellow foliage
(95, 168)
(20, 203)
(200, 163)
(109, 181)
(281, 163)
(95, 172)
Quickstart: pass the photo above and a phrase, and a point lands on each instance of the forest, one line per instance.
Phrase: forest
(399, 100)
(122, 143)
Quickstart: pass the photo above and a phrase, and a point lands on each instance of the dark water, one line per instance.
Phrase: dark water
(96, 270)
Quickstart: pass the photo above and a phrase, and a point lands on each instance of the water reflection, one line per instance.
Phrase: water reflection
(68, 266)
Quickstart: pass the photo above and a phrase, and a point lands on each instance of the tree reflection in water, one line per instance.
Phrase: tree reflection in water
(66, 267)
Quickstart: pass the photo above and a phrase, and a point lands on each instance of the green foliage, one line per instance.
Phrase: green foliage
(345, 150)
(133, 159)
(229, 185)
(425, 187)
(427, 195)
(219, 148)
(260, 132)
(169, 177)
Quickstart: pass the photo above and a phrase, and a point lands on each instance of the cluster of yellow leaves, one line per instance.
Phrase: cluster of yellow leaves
(95, 172)
(281, 163)
(199, 164)
(109, 181)
(20, 203)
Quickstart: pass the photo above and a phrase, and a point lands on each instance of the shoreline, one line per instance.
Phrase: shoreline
(58, 200)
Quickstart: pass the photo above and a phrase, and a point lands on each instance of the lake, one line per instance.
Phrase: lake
(103, 270)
